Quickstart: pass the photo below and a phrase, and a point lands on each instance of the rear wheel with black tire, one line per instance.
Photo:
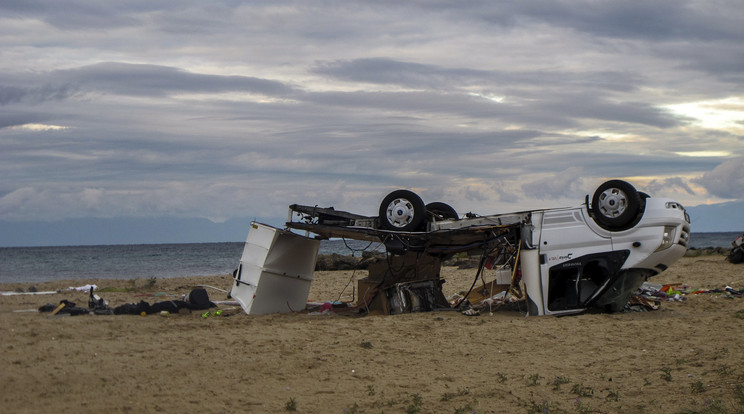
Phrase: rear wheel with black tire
(402, 210)
(616, 205)
(441, 211)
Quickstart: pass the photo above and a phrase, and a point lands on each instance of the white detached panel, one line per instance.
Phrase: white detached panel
(275, 271)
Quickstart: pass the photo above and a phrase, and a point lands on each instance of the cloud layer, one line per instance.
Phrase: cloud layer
(224, 110)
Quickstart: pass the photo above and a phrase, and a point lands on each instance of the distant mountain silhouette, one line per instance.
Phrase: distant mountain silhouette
(717, 217)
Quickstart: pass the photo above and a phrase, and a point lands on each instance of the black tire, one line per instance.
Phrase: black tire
(615, 205)
(441, 211)
(402, 210)
(736, 256)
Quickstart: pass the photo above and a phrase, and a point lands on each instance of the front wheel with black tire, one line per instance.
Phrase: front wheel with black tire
(402, 210)
(616, 205)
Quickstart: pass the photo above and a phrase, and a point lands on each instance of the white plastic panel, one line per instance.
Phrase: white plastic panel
(276, 271)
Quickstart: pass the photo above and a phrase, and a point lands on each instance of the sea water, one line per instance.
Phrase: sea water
(41, 264)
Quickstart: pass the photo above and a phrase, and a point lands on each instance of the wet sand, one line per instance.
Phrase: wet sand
(685, 356)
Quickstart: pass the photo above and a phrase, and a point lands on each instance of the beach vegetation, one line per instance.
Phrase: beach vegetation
(582, 391)
(533, 407)
(697, 387)
(447, 396)
(414, 406)
(290, 405)
(533, 380)
(712, 406)
(739, 397)
(558, 381)
(582, 407)
(467, 408)
(666, 374)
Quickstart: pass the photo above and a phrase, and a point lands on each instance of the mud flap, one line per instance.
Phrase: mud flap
(530, 264)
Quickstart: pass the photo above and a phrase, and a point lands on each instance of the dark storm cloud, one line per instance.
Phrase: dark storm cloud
(593, 107)
(416, 75)
(127, 80)
(16, 118)
(34, 94)
(77, 14)
(558, 95)
(394, 72)
(659, 20)
(722, 61)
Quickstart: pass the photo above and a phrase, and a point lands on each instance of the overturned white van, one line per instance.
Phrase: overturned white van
(566, 260)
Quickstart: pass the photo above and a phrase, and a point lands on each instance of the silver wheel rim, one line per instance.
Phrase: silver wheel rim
(613, 203)
(400, 213)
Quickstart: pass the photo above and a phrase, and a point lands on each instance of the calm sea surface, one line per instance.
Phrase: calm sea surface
(40, 264)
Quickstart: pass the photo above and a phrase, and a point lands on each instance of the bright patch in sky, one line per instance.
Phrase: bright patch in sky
(714, 114)
(493, 98)
(41, 127)
(609, 136)
(704, 153)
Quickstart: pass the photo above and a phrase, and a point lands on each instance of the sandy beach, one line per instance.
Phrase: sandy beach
(685, 357)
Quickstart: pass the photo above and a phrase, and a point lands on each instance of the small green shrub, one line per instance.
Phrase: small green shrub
(697, 387)
(582, 391)
(533, 380)
(558, 381)
(666, 374)
(290, 405)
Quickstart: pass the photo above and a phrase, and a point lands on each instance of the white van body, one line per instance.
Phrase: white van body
(570, 259)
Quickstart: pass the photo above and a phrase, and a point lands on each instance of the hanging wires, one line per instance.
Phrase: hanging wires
(477, 274)
(353, 250)
(353, 273)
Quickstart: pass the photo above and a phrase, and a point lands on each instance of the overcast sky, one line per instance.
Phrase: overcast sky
(225, 109)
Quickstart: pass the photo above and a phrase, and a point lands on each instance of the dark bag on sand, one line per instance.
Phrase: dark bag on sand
(132, 308)
(199, 299)
(69, 308)
(171, 306)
